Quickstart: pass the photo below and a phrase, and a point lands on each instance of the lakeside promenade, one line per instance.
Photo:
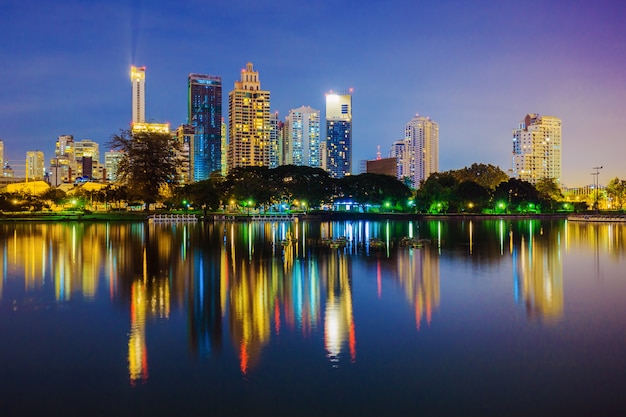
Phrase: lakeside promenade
(316, 215)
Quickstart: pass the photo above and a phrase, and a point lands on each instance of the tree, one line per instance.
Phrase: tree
(549, 192)
(150, 162)
(616, 190)
(472, 197)
(375, 189)
(516, 195)
(438, 193)
(486, 175)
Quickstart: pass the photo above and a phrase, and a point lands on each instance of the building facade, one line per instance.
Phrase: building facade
(537, 149)
(35, 165)
(249, 124)
(204, 104)
(302, 133)
(138, 82)
(418, 153)
(185, 135)
(338, 143)
(111, 162)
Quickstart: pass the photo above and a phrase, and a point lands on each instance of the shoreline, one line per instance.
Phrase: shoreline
(320, 216)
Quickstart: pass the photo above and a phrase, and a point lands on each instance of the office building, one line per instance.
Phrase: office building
(248, 122)
(338, 144)
(204, 105)
(537, 149)
(302, 133)
(138, 82)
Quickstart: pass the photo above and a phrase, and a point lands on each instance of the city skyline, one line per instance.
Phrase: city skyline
(476, 69)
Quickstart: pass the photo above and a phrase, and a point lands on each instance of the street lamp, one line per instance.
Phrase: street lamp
(596, 175)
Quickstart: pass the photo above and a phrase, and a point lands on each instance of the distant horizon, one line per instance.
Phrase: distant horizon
(476, 70)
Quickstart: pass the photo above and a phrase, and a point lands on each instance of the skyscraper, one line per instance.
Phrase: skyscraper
(62, 166)
(537, 149)
(204, 101)
(248, 122)
(303, 137)
(276, 142)
(421, 151)
(138, 81)
(35, 165)
(338, 152)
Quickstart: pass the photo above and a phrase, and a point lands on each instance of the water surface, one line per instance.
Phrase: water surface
(488, 318)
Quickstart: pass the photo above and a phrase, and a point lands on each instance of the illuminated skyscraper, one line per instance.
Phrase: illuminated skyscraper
(303, 137)
(138, 81)
(1, 154)
(537, 149)
(338, 152)
(111, 162)
(204, 104)
(35, 165)
(248, 122)
(420, 156)
(276, 142)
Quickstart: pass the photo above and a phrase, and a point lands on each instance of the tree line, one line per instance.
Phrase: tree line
(149, 172)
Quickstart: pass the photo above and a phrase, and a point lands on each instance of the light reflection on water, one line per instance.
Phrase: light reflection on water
(244, 287)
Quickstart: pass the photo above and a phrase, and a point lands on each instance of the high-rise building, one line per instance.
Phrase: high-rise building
(111, 162)
(87, 155)
(302, 130)
(1, 153)
(185, 135)
(338, 152)
(248, 122)
(204, 104)
(537, 149)
(276, 142)
(418, 153)
(63, 165)
(35, 165)
(138, 82)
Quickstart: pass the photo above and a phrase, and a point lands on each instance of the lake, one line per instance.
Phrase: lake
(313, 318)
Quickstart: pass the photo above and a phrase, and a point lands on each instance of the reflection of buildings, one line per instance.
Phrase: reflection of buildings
(338, 319)
(418, 274)
(538, 273)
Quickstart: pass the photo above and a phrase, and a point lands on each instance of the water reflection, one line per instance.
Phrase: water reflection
(248, 283)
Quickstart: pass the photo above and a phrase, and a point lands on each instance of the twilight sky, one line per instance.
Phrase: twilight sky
(474, 66)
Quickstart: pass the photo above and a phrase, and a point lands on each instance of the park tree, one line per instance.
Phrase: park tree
(550, 193)
(516, 195)
(438, 193)
(249, 186)
(149, 163)
(207, 194)
(374, 189)
(312, 186)
(486, 175)
(616, 190)
(472, 197)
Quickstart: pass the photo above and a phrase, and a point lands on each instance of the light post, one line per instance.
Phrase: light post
(596, 175)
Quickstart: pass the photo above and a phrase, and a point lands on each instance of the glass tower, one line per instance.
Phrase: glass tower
(205, 115)
(339, 134)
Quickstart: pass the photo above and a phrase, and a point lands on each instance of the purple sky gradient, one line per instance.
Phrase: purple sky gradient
(475, 67)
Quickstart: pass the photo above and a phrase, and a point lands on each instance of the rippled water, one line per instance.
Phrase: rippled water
(485, 318)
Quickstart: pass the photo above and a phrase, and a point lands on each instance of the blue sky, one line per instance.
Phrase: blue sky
(475, 67)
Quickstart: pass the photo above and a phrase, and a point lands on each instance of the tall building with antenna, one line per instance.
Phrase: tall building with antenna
(204, 105)
(138, 81)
